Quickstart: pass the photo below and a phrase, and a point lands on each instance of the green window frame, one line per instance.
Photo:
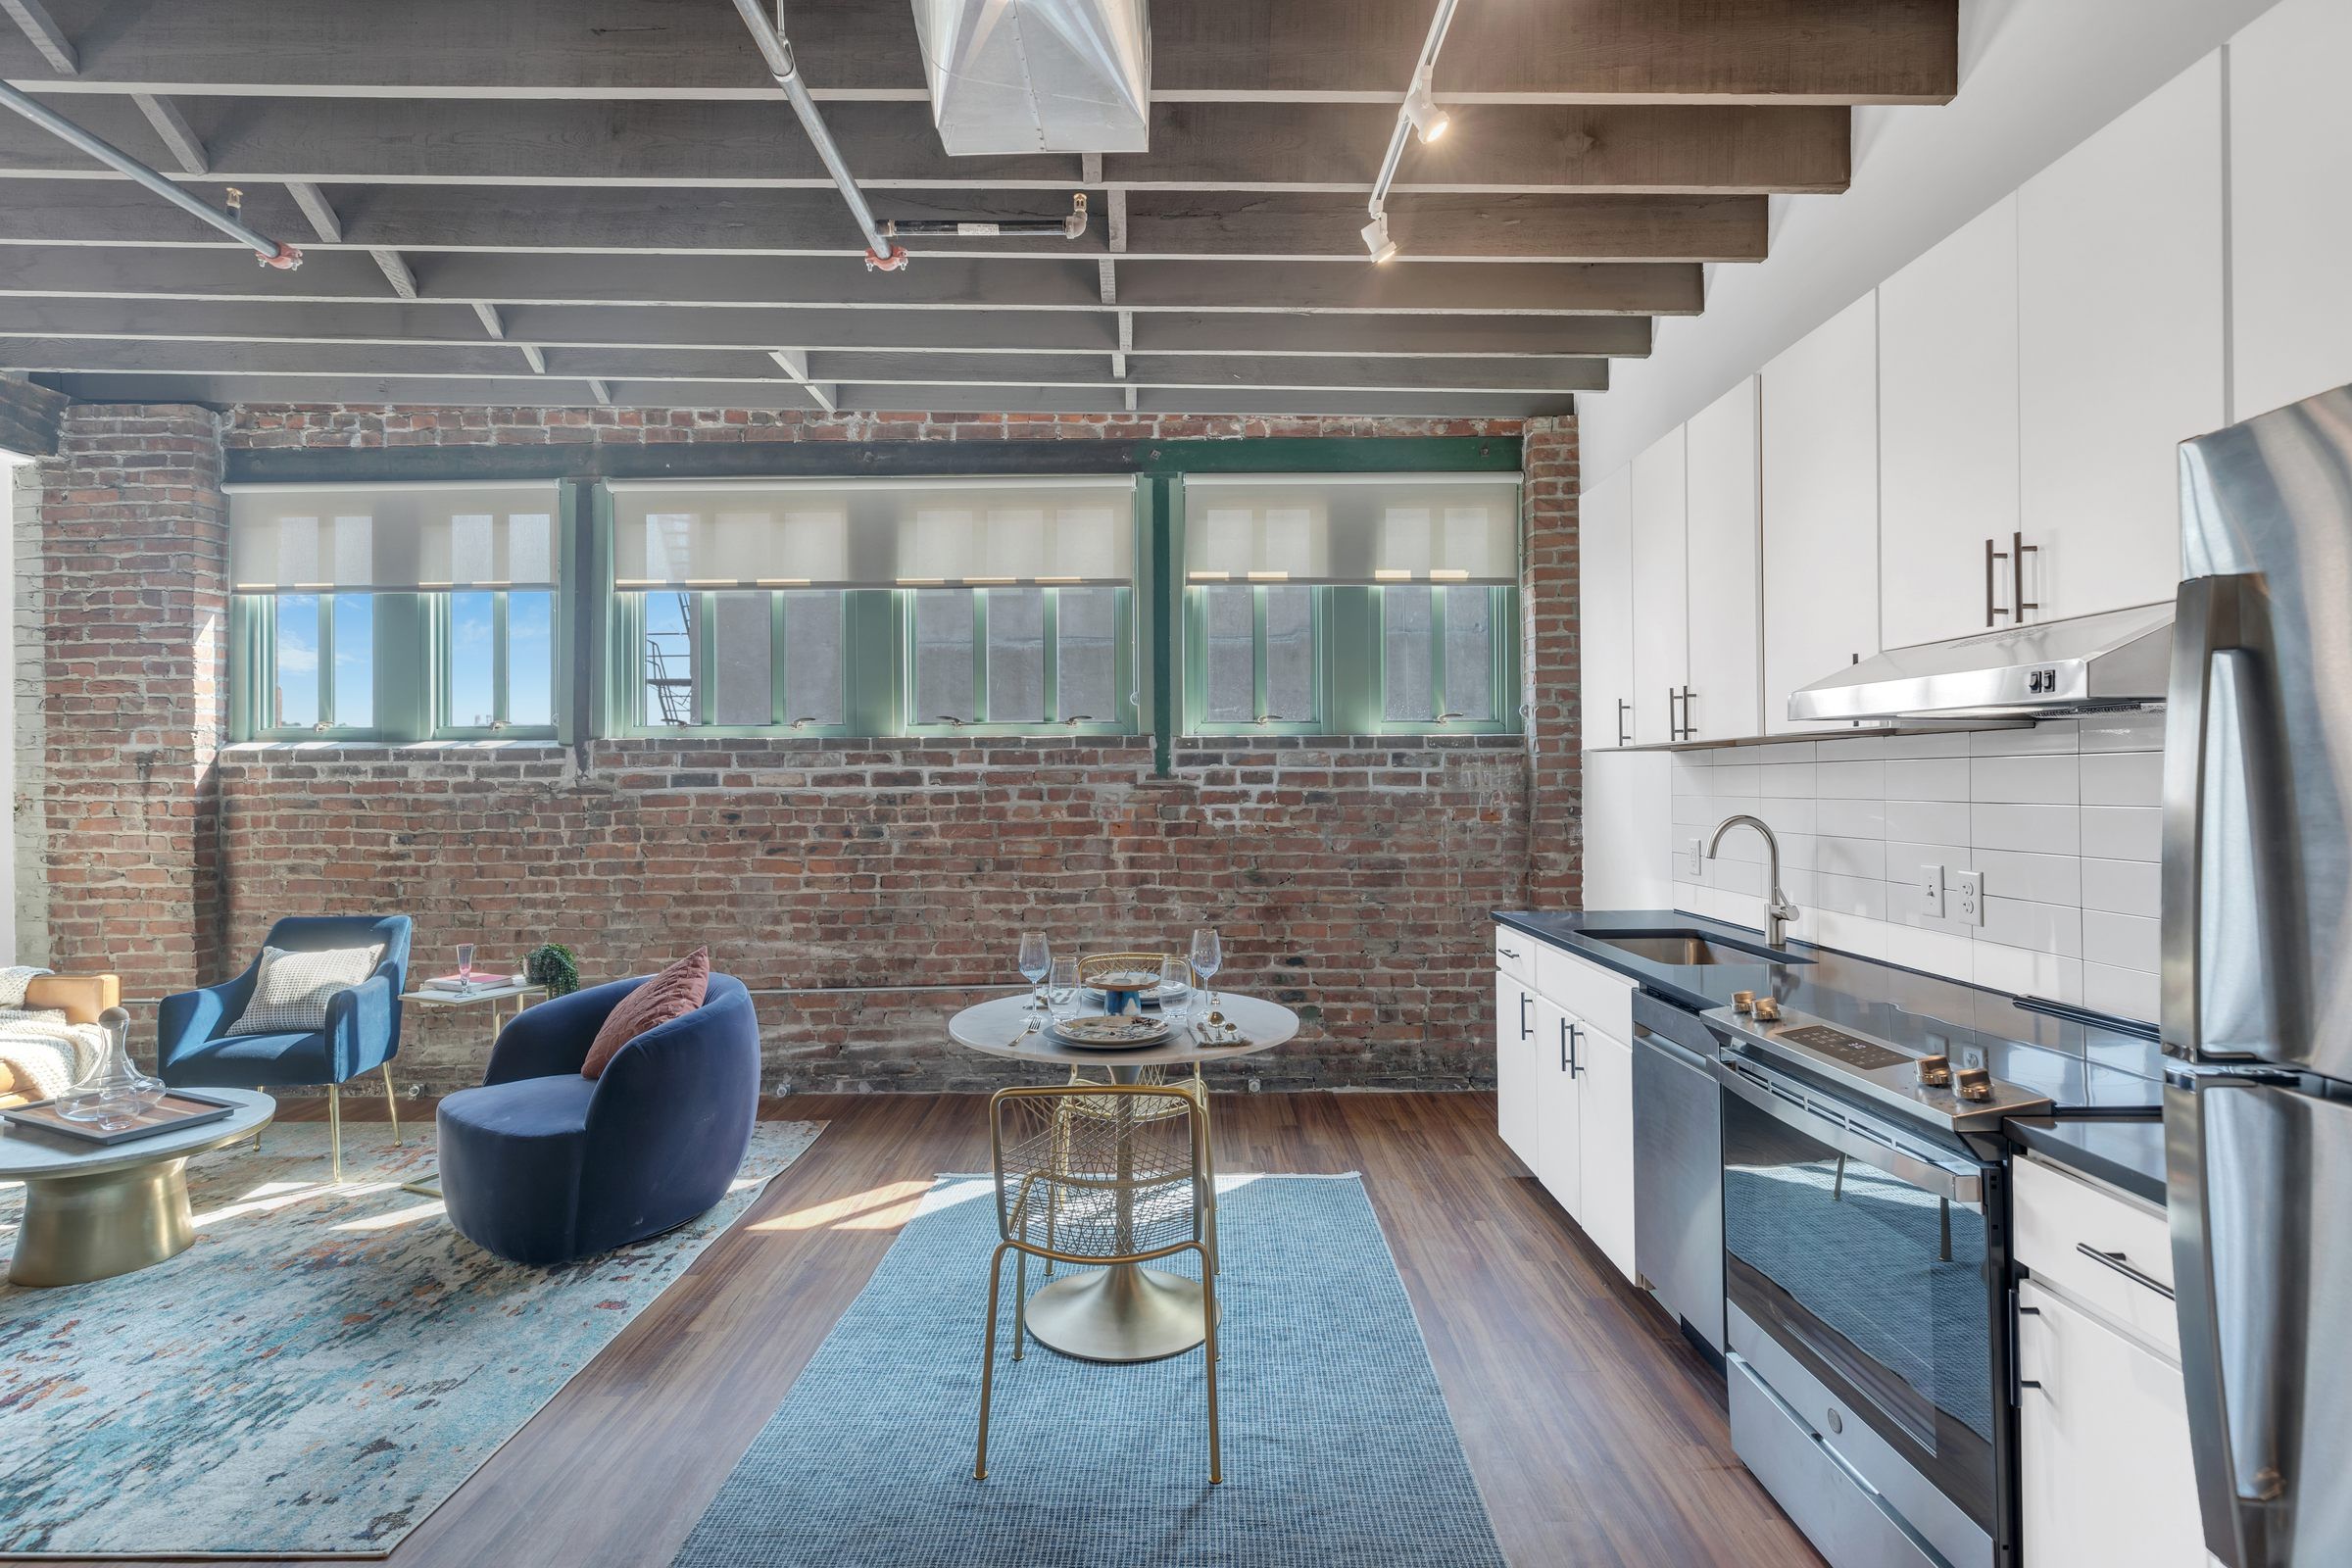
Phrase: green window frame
(1500, 663)
(859, 712)
(253, 693)
(1196, 664)
(1122, 722)
(441, 610)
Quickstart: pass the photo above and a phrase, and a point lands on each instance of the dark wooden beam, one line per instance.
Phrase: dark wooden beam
(110, 320)
(1404, 287)
(1819, 51)
(28, 418)
(1161, 224)
(1632, 149)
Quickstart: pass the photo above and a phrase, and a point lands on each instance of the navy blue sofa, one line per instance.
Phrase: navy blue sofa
(541, 1165)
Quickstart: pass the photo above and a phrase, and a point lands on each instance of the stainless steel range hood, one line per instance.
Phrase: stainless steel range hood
(2092, 663)
(1038, 75)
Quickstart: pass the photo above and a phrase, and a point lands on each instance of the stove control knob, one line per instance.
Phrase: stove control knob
(1972, 1083)
(1935, 1071)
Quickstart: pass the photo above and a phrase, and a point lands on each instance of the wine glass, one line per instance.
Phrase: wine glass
(1208, 956)
(465, 963)
(1061, 992)
(1036, 962)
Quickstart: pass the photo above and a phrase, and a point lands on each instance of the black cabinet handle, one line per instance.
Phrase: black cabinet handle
(1576, 1066)
(2019, 550)
(1623, 709)
(2123, 1265)
(2019, 1383)
(1991, 556)
(1525, 1028)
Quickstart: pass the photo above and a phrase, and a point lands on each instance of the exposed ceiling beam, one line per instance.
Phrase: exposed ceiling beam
(556, 392)
(1407, 288)
(533, 358)
(1655, 149)
(180, 139)
(396, 271)
(41, 31)
(1840, 51)
(453, 322)
(1158, 225)
(53, 357)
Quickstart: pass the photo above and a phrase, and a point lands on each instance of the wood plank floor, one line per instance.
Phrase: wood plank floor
(1597, 1435)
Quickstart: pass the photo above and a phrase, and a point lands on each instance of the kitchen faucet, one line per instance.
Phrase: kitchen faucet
(1779, 911)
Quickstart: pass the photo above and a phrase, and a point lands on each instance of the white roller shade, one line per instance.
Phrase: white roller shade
(392, 538)
(872, 533)
(1351, 528)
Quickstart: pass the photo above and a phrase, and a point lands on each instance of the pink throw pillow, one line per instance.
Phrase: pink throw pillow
(672, 994)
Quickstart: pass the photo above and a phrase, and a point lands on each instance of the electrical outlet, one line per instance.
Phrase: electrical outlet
(1968, 897)
(1695, 858)
(1931, 891)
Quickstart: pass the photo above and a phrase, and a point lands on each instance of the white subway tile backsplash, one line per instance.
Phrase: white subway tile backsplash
(2122, 887)
(2124, 941)
(2036, 829)
(1928, 821)
(2122, 832)
(2124, 778)
(1927, 778)
(2037, 781)
(2059, 820)
(2126, 993)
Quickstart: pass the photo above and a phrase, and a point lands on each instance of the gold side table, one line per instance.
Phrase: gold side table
(92, 1212)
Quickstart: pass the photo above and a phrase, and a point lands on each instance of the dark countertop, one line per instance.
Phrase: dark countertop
(2128, 1155)
(2097, 1075)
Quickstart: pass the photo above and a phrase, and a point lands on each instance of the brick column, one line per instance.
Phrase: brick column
(1548, 597)
(133, 604)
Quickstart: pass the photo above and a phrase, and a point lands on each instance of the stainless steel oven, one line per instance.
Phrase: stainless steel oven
(1864, 1259)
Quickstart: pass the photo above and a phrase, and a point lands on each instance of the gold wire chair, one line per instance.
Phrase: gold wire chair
(1113, 1186)
(1092, 968)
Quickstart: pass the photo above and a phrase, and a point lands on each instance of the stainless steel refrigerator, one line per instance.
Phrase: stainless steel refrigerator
(2257, 974)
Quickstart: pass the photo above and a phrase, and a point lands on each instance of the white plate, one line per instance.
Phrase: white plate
(1126, 1032)
(1150, 999)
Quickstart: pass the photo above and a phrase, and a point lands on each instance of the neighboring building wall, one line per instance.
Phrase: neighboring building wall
(867, 890)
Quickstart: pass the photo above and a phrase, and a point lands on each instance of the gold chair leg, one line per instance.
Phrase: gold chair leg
(1209, 1312)
(334, 1129)
(1021, 1302)
(391, 1101)
(988, 1363)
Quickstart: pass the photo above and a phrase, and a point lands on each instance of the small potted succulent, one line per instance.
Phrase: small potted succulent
(552, 965)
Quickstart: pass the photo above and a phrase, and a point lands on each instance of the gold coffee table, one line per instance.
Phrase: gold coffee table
(92, 1212)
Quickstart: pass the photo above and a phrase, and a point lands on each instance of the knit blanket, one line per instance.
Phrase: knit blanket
(14, 978)
(42, 1055)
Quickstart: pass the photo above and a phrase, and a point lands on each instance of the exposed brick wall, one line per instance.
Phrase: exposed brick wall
(1547, 617)
(867, 890)
(133, 597)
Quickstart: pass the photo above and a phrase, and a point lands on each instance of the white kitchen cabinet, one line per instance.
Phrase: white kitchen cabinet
(1605, 568)
(2290, 205)
(1604, 1090)
(1820, 464)
(2119, 284)
(1515, 1063)
(1724, 595)
(2107, 1478)
(1661, 629)
(1948, 435)
(1559, 1151)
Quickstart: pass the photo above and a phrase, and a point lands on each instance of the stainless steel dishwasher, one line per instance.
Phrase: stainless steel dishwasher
(1678, 1167)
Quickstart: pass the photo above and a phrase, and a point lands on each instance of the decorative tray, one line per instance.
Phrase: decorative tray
(1153, 998)
(177, 1110)
(1124, 1032)
(1138, 978)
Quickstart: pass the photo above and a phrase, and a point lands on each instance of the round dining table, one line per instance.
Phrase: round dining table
(1126, 1311)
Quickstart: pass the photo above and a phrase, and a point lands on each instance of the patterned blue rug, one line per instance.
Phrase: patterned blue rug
(318, 1371)
(1338, 1446)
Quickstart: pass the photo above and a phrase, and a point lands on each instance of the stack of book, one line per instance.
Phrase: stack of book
(465, 985)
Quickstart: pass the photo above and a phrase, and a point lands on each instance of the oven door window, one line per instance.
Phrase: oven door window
(1880, 1288)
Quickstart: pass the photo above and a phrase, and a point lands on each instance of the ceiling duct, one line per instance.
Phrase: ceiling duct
(1038, 75)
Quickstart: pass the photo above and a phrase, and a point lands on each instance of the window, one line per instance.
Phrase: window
(497, 662)
(1350, 603)
(739, 659)
(394, 611)
(876, 606)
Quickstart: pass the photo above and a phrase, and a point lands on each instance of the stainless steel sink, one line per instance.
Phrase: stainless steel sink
(1689, 947)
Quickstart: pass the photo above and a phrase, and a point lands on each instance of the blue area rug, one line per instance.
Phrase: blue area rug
(1338, 1446)
(319, 1370)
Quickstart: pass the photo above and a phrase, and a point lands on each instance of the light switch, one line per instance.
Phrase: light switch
(1695, 857)
(1968, 897)
(1931, 891)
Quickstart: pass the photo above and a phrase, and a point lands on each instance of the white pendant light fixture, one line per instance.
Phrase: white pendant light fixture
(1418, 113)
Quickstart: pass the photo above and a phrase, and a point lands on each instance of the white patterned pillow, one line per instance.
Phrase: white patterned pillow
(289, 995)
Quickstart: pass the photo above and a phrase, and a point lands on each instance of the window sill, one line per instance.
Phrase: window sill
(292, 747)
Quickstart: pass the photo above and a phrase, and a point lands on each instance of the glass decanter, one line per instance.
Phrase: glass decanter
(116, 1092)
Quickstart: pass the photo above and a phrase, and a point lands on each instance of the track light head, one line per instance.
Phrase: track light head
(1429, 120)
(1376, 238)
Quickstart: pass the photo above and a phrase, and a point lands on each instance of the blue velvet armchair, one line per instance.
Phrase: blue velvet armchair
(541, 1165)
(194, 1049)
